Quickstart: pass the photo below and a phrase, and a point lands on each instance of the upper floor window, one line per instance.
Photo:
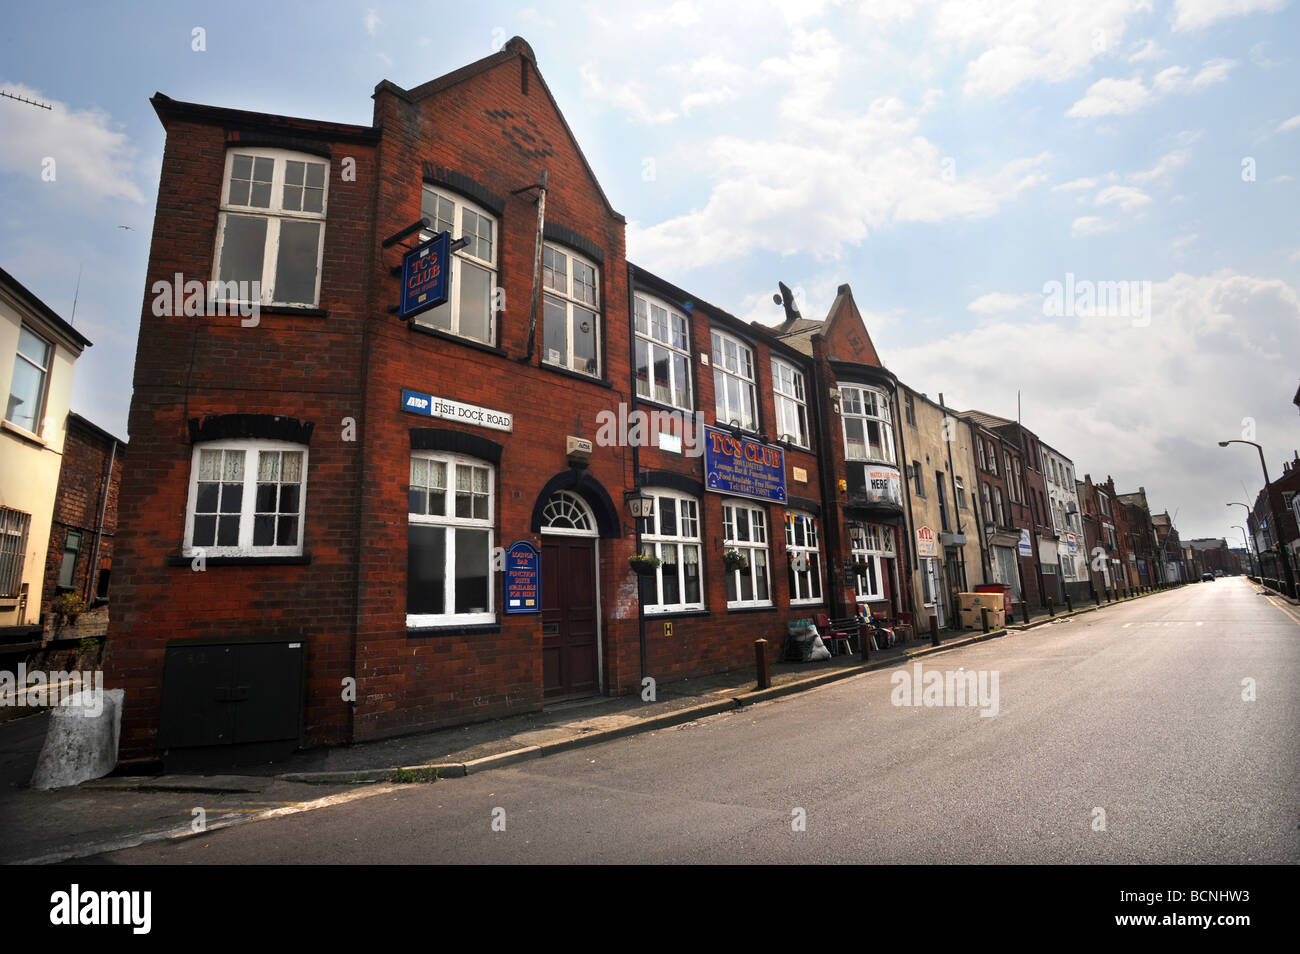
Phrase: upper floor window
(960, 492)
(570, 325)
(27, 389)
(804, 555)
(449, 540)
(868, 434)
(909, 408)
(247, 498)
(470, 309)
(993, 459)
(672, 533)
(791, 403)
(979, 449)
(733, 382)
(744, 529)
(272, 226)
(918, 479)
(663, 355)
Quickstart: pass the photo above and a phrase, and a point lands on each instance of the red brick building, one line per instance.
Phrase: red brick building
(322, 495)
(82, 534)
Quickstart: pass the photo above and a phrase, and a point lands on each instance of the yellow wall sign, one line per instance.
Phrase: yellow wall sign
(668, 630)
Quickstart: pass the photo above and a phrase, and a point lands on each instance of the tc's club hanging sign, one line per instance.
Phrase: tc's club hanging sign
(425, 276)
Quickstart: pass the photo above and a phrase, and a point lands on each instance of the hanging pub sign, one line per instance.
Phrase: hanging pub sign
(743, 466)
(523, 578)
(424, 276)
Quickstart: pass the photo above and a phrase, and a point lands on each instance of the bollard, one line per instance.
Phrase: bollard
(1024, 612)
(864, 641)
(760, 663)
(1051, 610)
(934, 630)
(984, 617)
(1096, 595)
(1069, 606)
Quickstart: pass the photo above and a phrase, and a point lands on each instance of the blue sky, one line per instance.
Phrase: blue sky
(947, 159)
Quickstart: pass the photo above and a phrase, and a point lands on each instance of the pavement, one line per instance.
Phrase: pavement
(115, 812)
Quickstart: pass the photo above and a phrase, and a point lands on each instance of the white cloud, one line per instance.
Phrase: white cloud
(534, 17)
(1127, 198)
(1166, 164)
(627, 97)
(90, 155)
(1195, 14)
(1075, 185)
(1183, 241)
(859, 170)
(1111, 97)
(1088, 389)
(1288, 125)
(1259, 56)
(1087, 225)
(372, 21)
(1147, 50)
(1028, 41)
(1119, 97)
(1002, 303)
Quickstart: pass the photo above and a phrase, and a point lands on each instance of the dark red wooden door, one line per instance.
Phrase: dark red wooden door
(569, 618)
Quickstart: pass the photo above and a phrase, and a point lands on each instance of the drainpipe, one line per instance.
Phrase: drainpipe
(952, 480)
(99, 525)
(909, 553)
(826, 469)
(636, 455)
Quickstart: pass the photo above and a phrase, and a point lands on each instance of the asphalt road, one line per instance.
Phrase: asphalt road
(1137, 710)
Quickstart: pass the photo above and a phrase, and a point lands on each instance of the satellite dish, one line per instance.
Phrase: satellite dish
(776, 299)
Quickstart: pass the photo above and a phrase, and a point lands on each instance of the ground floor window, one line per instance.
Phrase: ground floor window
(744, 529)
(804, 556)
(871, 545)
(672, 533)
(449, 540)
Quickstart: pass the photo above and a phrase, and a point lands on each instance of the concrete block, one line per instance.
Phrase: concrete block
(81, 742)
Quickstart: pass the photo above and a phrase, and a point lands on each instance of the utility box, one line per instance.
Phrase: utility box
(230, 701)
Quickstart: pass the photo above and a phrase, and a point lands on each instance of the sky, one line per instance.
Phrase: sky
(949, 160)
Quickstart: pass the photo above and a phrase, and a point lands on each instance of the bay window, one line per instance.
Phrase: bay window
(663, 358)
(868, 433)
(449, 540)
(791, 403)
(804, 555)
(672, 533)
(247, 498)
(733, 382)
(469, 310)
(570, 320)
(271, 229)
(744, 529)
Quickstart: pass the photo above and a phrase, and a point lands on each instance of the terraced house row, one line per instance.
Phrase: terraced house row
(353, 511)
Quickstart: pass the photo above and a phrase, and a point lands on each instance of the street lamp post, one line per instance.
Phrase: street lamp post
(1249, 559)
(1250, 565)
(1277, 520)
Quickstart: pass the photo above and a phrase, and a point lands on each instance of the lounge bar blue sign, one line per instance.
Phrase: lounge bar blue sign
(523, 578)
(424, 276)
(743, 466)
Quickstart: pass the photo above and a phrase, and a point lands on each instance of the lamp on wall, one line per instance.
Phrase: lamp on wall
(640, 504)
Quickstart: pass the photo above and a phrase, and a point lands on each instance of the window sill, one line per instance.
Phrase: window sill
(300, 560)
(231, 309)
(25, 434)
(751, 609)
(660, 405)
(577, 375)
(456, 339)
(675, 614)
(469, 629)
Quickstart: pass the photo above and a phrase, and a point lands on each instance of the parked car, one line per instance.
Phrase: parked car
(1207, 577)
